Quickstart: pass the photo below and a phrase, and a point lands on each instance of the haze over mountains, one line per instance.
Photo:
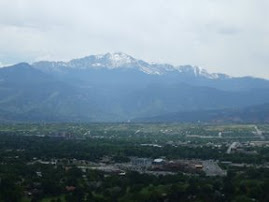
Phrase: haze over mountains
(118, 87)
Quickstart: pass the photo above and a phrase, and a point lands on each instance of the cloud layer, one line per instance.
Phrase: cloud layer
(230, 36)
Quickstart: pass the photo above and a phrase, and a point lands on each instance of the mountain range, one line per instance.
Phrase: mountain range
(117, 87)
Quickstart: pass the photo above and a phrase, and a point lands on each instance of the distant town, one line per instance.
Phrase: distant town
(103, 162)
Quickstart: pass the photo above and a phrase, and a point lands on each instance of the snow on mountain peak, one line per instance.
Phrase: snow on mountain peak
(121, 60)
(118, 59)
(200, 72)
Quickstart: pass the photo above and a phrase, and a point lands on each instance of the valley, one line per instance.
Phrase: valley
(137, 162)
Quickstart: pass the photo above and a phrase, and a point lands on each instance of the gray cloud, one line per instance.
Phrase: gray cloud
(229, 36)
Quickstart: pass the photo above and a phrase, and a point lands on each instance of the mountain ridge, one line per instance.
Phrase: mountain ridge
(122, 60)
(110, 64)
(76, 91)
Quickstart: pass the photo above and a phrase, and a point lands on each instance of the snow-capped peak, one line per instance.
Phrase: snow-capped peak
(200, 72)
(120, 57)
(119, 60)
(108, 60)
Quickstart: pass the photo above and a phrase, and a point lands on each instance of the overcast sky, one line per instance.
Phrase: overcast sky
(229, 36)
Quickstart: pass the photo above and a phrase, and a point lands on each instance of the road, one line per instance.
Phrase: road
(232, 146)
(258, 132)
